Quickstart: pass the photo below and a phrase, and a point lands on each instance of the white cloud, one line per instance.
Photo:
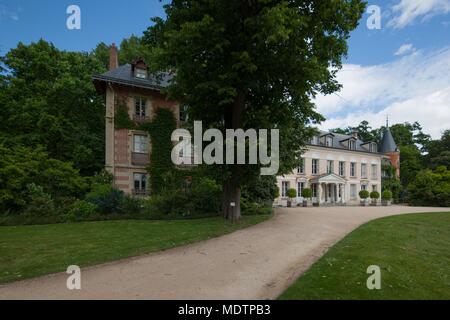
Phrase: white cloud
(407, 11)
(415, 87)
(404, 49)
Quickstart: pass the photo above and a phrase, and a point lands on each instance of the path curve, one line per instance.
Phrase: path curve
(254, 263)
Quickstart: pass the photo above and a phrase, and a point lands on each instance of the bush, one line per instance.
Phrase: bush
(81, 210)
(40, 203)
(250, 208)
(374, 195)
(431, 188)
(386, 195)
(291, 193)
(364, 194)
(109, 200)
(307, 193)
(132, 205)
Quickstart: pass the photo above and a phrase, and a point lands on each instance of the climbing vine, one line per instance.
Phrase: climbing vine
(122, 119)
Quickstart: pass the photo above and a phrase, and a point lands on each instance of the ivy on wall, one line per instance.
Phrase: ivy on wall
(122, 119)
(160, 130)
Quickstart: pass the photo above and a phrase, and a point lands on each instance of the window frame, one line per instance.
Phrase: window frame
(342, 166)
(315, 167)
(145, 142)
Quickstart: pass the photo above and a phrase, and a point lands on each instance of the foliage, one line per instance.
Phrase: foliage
(48, 99)
(248, 64)
(122, 119)
(160, 129)
(431, 188)
(386, 195)
(262, 190)
(306, 193)
(21, 166)
(374, 195)
(364, 194)
(291, 193)
(102, 177)
(81, 210)
(108, 199)
(132, 205)
(40, 204)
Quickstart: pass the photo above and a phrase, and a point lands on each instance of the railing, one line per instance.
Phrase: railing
(140, 192)
(140, 118)
(140, 159)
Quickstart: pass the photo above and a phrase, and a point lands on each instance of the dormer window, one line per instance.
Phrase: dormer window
(141, 73)
(315, 140)
(329, 142)
(140, 69)
(352, 145)
(373, 147)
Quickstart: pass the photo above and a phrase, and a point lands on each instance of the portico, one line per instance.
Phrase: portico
(329, 189)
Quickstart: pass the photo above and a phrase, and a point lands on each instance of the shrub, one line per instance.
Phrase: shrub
(109, 200)
(364, 194)
(205, 196)
(386, 195)
(374, 195)
(81, 210)
(307, 193)
(291, 193)
(250, 208)
(132, 205)
(40, 203)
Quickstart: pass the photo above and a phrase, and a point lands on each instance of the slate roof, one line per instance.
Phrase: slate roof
(124, 75)
(387, 143)
(339, 138)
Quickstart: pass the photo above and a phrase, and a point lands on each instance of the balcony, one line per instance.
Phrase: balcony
(140, 192)
(140, 159)
(141, 118)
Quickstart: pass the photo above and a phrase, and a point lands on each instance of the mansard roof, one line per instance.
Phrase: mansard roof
(339, 139)
(124, 75)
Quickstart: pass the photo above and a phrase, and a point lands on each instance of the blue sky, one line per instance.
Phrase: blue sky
(401, 70)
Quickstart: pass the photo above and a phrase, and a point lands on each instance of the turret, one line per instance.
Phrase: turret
(389, 148)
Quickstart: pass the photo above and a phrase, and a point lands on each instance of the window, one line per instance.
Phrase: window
(301, 167)
(315, 166)
(329, 142)
(330, 165)
(140, 143)
(364, 187)
(374, 187)
(352, 145)
(341, 168)
(353, 169)
(140, 182)
(315, 140)
(300, 187)
(141, 73)
(284, 188)
(363, 171)
(353, 191)
(374, 171)
(314, 190)
(139, 107)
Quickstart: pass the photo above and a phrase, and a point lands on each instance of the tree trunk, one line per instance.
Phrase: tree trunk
(231, 203)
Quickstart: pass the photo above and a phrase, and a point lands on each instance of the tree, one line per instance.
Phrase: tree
(439, 151)
(431, 188)
(47, 98)
(254, 64)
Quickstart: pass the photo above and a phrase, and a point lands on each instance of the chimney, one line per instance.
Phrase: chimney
(113, 57)
(355, 134)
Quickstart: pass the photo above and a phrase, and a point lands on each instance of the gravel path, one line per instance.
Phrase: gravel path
(254, 263)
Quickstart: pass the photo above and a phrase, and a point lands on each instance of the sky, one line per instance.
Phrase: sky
(399, 69)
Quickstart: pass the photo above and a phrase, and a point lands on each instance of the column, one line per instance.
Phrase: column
(319, 192)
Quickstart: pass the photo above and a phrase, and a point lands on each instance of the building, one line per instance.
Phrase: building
(337, 167)
(128, 151)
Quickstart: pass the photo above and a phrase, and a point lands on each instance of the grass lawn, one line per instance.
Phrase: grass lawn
(413, 252)
(30, 251)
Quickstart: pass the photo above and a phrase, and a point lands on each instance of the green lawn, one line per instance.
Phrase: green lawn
(30, 251)
(413, 252)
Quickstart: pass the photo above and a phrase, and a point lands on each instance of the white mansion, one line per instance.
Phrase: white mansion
(336, 167)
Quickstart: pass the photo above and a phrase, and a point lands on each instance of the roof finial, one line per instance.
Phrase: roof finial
(387, 122)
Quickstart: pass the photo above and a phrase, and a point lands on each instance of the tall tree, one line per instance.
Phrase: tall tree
(47, 98)
(254, 64)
